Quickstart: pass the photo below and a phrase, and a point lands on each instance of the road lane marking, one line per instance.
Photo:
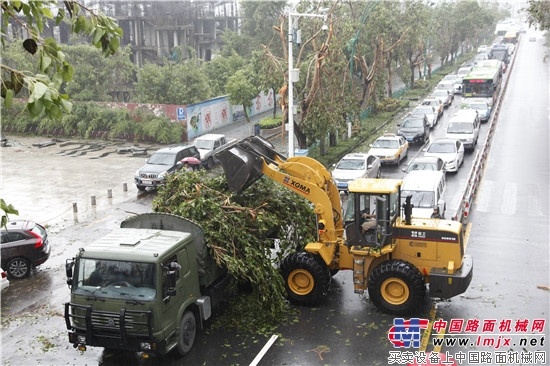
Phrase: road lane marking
(426, 335)
(509, 199)
(467, 235)
(533, 200)
(484, 196)
(264, 350)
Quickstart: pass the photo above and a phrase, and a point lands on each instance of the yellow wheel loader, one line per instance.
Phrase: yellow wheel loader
(394, 256)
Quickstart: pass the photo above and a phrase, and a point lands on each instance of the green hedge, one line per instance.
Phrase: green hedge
(90, 120)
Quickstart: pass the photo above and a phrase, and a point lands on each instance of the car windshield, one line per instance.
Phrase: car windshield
(422, 199)
(101, 278)
(442, 147)
(162, 159)
(351, 164)
(421, 166)
(412, 123)
(440, 93)
(420, 111)
(460, 127)
(385, 144)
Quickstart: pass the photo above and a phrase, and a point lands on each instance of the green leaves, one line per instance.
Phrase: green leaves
(6, 209)
(43, 88)
(240, 229)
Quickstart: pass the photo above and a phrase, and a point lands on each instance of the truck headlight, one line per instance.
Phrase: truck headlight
(161, 175)
(145, 346)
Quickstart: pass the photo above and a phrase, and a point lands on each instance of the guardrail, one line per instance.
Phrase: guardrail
(480, 159)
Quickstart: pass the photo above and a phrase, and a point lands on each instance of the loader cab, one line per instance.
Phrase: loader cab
(378, 199)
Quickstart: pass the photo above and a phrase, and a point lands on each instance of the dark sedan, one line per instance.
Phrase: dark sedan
(24, 245)
(415, 129)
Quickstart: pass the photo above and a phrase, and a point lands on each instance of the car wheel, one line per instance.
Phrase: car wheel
(141, 188)
(18, 268)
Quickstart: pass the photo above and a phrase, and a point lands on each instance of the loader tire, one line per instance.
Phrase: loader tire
(307, 278)
(397, 287)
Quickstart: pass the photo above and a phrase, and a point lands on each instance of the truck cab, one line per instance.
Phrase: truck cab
(145, 287)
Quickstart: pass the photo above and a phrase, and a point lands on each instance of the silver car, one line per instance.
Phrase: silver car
(442, 95)
(355, 166)
(480, 105)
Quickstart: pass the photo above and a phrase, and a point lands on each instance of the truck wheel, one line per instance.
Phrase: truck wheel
(397, 287)
(18, 268)
(306, 279)
(139, 187)
(188, 331)
(209, 163)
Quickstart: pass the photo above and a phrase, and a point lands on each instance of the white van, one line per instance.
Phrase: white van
(464, 126)
(427, 189)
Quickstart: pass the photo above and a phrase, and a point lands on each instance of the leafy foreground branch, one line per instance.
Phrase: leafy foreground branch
(240, 231)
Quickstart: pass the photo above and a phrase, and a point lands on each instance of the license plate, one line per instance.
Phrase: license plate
(342, 185)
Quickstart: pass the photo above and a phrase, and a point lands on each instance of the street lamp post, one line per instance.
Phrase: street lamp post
(294, 75)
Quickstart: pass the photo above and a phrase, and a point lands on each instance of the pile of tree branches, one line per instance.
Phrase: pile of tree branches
(242, 229)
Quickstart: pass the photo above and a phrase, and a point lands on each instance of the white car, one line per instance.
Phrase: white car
(426, 110)
(451, 151)
(446, 85)
(482, 48)
(355, 166)
(4, 282)
(436, 103)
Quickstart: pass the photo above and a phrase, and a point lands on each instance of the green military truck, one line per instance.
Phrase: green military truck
(146, 287)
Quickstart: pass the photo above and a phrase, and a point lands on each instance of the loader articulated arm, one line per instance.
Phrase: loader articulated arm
(249, 159)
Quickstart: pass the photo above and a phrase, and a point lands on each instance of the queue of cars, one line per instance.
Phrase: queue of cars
(424, 178)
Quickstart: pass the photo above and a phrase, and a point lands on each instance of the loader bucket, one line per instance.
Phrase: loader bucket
(243, 161)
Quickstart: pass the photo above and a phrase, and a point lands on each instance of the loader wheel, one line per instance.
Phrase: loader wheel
(306, 279)
(397, 287)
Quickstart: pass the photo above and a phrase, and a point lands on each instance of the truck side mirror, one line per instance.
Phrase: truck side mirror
(69, 264)
(170, 289)
(171, 277)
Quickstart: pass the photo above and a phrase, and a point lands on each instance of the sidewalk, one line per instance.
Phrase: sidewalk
(242, 129)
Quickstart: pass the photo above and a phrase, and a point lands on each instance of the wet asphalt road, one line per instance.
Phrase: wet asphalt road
(509, 241)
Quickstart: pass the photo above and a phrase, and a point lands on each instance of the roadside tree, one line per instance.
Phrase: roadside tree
(30, 19)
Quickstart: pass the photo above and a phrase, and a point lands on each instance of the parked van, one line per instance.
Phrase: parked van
(427, 189)
(464, 126)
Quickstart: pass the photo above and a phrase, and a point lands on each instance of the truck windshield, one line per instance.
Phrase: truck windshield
(115, 279)
(204, 144)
